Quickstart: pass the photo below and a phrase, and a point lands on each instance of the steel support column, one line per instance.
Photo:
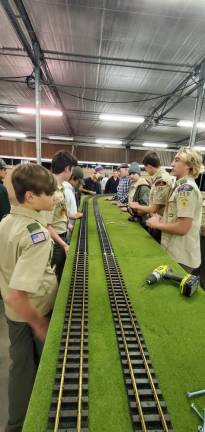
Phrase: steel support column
(38, 104)
(198, 104)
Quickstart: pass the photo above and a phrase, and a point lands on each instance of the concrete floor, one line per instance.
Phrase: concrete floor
(4, 369)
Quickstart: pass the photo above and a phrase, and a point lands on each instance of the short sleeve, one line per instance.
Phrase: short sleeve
(186, 201)
(30, 268)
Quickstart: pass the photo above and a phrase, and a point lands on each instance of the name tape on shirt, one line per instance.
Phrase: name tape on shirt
(38, 237)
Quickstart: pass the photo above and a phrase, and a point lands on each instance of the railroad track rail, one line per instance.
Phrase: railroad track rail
(147, 408)
(69, 404)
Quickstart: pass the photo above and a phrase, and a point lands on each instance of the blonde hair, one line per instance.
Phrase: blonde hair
(192, 158)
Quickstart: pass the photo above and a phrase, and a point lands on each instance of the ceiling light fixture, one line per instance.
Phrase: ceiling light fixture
(189, 124)
(60, 138)
(154, 144)
(107, 141)
(199, 148)
(121, 118)
(46, 112)
(11, 134)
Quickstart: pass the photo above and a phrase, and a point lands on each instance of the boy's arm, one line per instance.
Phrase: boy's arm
(19, 302)
(57, 238)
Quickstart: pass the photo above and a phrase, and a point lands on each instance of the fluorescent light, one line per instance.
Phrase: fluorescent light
(13, 134)
(189, 123)
(199, 148)
(107, 141)
(46, 112)
(60, 138)
(121, 118)
(153, 144)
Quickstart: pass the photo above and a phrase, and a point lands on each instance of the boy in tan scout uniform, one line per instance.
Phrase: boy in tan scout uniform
(57, 220)
(161, 183)
(201, 270)
(27, 281)
(181, 222)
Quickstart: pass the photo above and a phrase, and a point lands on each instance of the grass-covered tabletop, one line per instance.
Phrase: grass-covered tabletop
(173, 328)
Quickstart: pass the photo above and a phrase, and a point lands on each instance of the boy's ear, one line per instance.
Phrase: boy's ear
(29, 196)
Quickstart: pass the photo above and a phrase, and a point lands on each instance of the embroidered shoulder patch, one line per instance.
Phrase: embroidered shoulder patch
(33, 227)
(38, 237)
(185, 188)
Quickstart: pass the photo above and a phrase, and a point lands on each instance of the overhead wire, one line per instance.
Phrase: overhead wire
(171, 94)
(120, 102)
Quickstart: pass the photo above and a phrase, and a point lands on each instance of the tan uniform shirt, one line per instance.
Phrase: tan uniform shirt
(58, 217)
(133, 187)
(203, 210)
(184, 201)
(161, 183)
(25, 264)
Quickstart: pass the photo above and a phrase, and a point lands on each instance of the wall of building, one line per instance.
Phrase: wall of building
(25, 149)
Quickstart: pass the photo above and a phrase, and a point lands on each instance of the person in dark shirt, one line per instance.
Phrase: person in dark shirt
(112, 183)
(4, 199)
(91, 184)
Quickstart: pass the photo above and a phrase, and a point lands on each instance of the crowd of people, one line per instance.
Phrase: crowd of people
(35, 234)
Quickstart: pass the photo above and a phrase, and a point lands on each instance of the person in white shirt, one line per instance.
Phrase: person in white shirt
(103, 183)
(70, 187)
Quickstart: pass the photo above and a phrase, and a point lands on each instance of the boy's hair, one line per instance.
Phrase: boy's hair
(151, 158)
(192, 158)
(61, 160)
(34, 178)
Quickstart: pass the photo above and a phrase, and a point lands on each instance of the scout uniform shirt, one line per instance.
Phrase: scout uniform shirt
(161, 183)
(58, 217)
(184, 201)
(25, 264)
(133, 188)
(203, 213)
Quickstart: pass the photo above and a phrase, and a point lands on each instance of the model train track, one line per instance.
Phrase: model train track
(69, 404)
(147, 407)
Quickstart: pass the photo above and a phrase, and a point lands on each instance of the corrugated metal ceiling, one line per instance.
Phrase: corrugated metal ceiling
(100, 71)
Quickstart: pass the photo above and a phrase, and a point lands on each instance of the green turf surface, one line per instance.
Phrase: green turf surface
(108, 406)
(173, 326)
(37, 415)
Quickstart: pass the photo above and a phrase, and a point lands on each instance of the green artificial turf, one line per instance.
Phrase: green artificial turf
(37, 414)
(108, 405)
(173, 325)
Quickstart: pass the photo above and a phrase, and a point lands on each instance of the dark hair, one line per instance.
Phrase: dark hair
(61, 160)
(151, 158)
(34, 178)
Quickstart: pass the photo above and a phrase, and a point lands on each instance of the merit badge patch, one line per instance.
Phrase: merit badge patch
(185, 188)
(38, 237)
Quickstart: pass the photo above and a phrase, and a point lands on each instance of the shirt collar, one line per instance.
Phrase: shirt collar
(183, 180)
(29, 213)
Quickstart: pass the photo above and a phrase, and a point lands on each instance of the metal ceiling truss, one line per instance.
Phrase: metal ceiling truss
(30, 48)
(117, 62)
(101, 60)
(182, 91)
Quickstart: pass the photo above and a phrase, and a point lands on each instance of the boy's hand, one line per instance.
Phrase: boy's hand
(153, 221)
(66, 248)
(41, 328)
(78, 215)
